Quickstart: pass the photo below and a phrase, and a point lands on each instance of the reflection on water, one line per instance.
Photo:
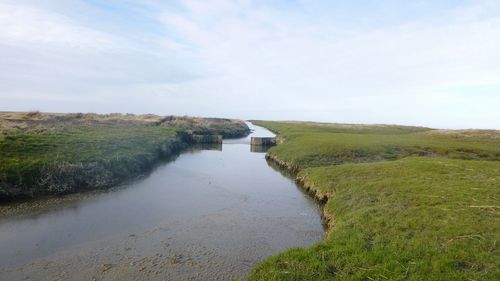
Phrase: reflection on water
(209, 214)
(260, 148)
(206, 146)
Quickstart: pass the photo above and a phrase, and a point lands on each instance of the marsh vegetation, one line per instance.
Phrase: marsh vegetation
(43, 153)
(401, 203)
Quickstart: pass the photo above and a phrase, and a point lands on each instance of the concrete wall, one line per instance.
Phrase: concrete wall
(263, 141)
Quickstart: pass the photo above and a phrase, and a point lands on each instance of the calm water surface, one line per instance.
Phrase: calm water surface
(208, 215)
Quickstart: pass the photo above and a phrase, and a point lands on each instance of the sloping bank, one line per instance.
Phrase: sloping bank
(402, 203)
(44, 154)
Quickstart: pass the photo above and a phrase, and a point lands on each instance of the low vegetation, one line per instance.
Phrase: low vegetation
(227, 128)
(401, 203)
(60, 153)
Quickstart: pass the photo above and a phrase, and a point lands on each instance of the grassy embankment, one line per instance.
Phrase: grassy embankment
(62, 153)
(401, 203)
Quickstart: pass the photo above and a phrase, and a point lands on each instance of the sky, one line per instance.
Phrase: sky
(426, 63)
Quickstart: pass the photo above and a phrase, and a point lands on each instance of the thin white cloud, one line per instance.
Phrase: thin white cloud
(252, 59)
(287, 60)
(48, 56)
(24, 25)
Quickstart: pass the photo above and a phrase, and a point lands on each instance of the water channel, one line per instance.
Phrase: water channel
(210, 214)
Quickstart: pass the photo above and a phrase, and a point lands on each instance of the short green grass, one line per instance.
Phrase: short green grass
(310, 145)
(404, 203)
(28, 155)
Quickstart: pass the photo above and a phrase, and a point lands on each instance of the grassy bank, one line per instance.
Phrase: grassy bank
(62, 153)
(402, 203)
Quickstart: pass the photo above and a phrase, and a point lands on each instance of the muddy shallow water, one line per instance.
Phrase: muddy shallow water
(208, 215)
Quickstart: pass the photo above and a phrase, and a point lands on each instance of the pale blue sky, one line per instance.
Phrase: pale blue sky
(429, 63)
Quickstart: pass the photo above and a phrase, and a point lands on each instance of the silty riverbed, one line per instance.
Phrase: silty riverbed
(210, 214)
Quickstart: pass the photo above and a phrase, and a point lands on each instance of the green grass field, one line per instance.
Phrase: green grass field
(402, 203)
(61, 153)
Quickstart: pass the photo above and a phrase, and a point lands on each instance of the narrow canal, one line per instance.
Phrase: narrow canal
(210, 214)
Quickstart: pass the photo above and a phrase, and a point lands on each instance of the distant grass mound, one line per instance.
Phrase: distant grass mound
(402, 203)
(60, 153)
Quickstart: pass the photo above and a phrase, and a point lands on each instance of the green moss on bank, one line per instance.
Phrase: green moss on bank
(414, 218)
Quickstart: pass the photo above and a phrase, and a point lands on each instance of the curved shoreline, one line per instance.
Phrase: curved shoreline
(234, 222)
(55, 154)
(319, 197)
(63, 177)
(385, 218)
